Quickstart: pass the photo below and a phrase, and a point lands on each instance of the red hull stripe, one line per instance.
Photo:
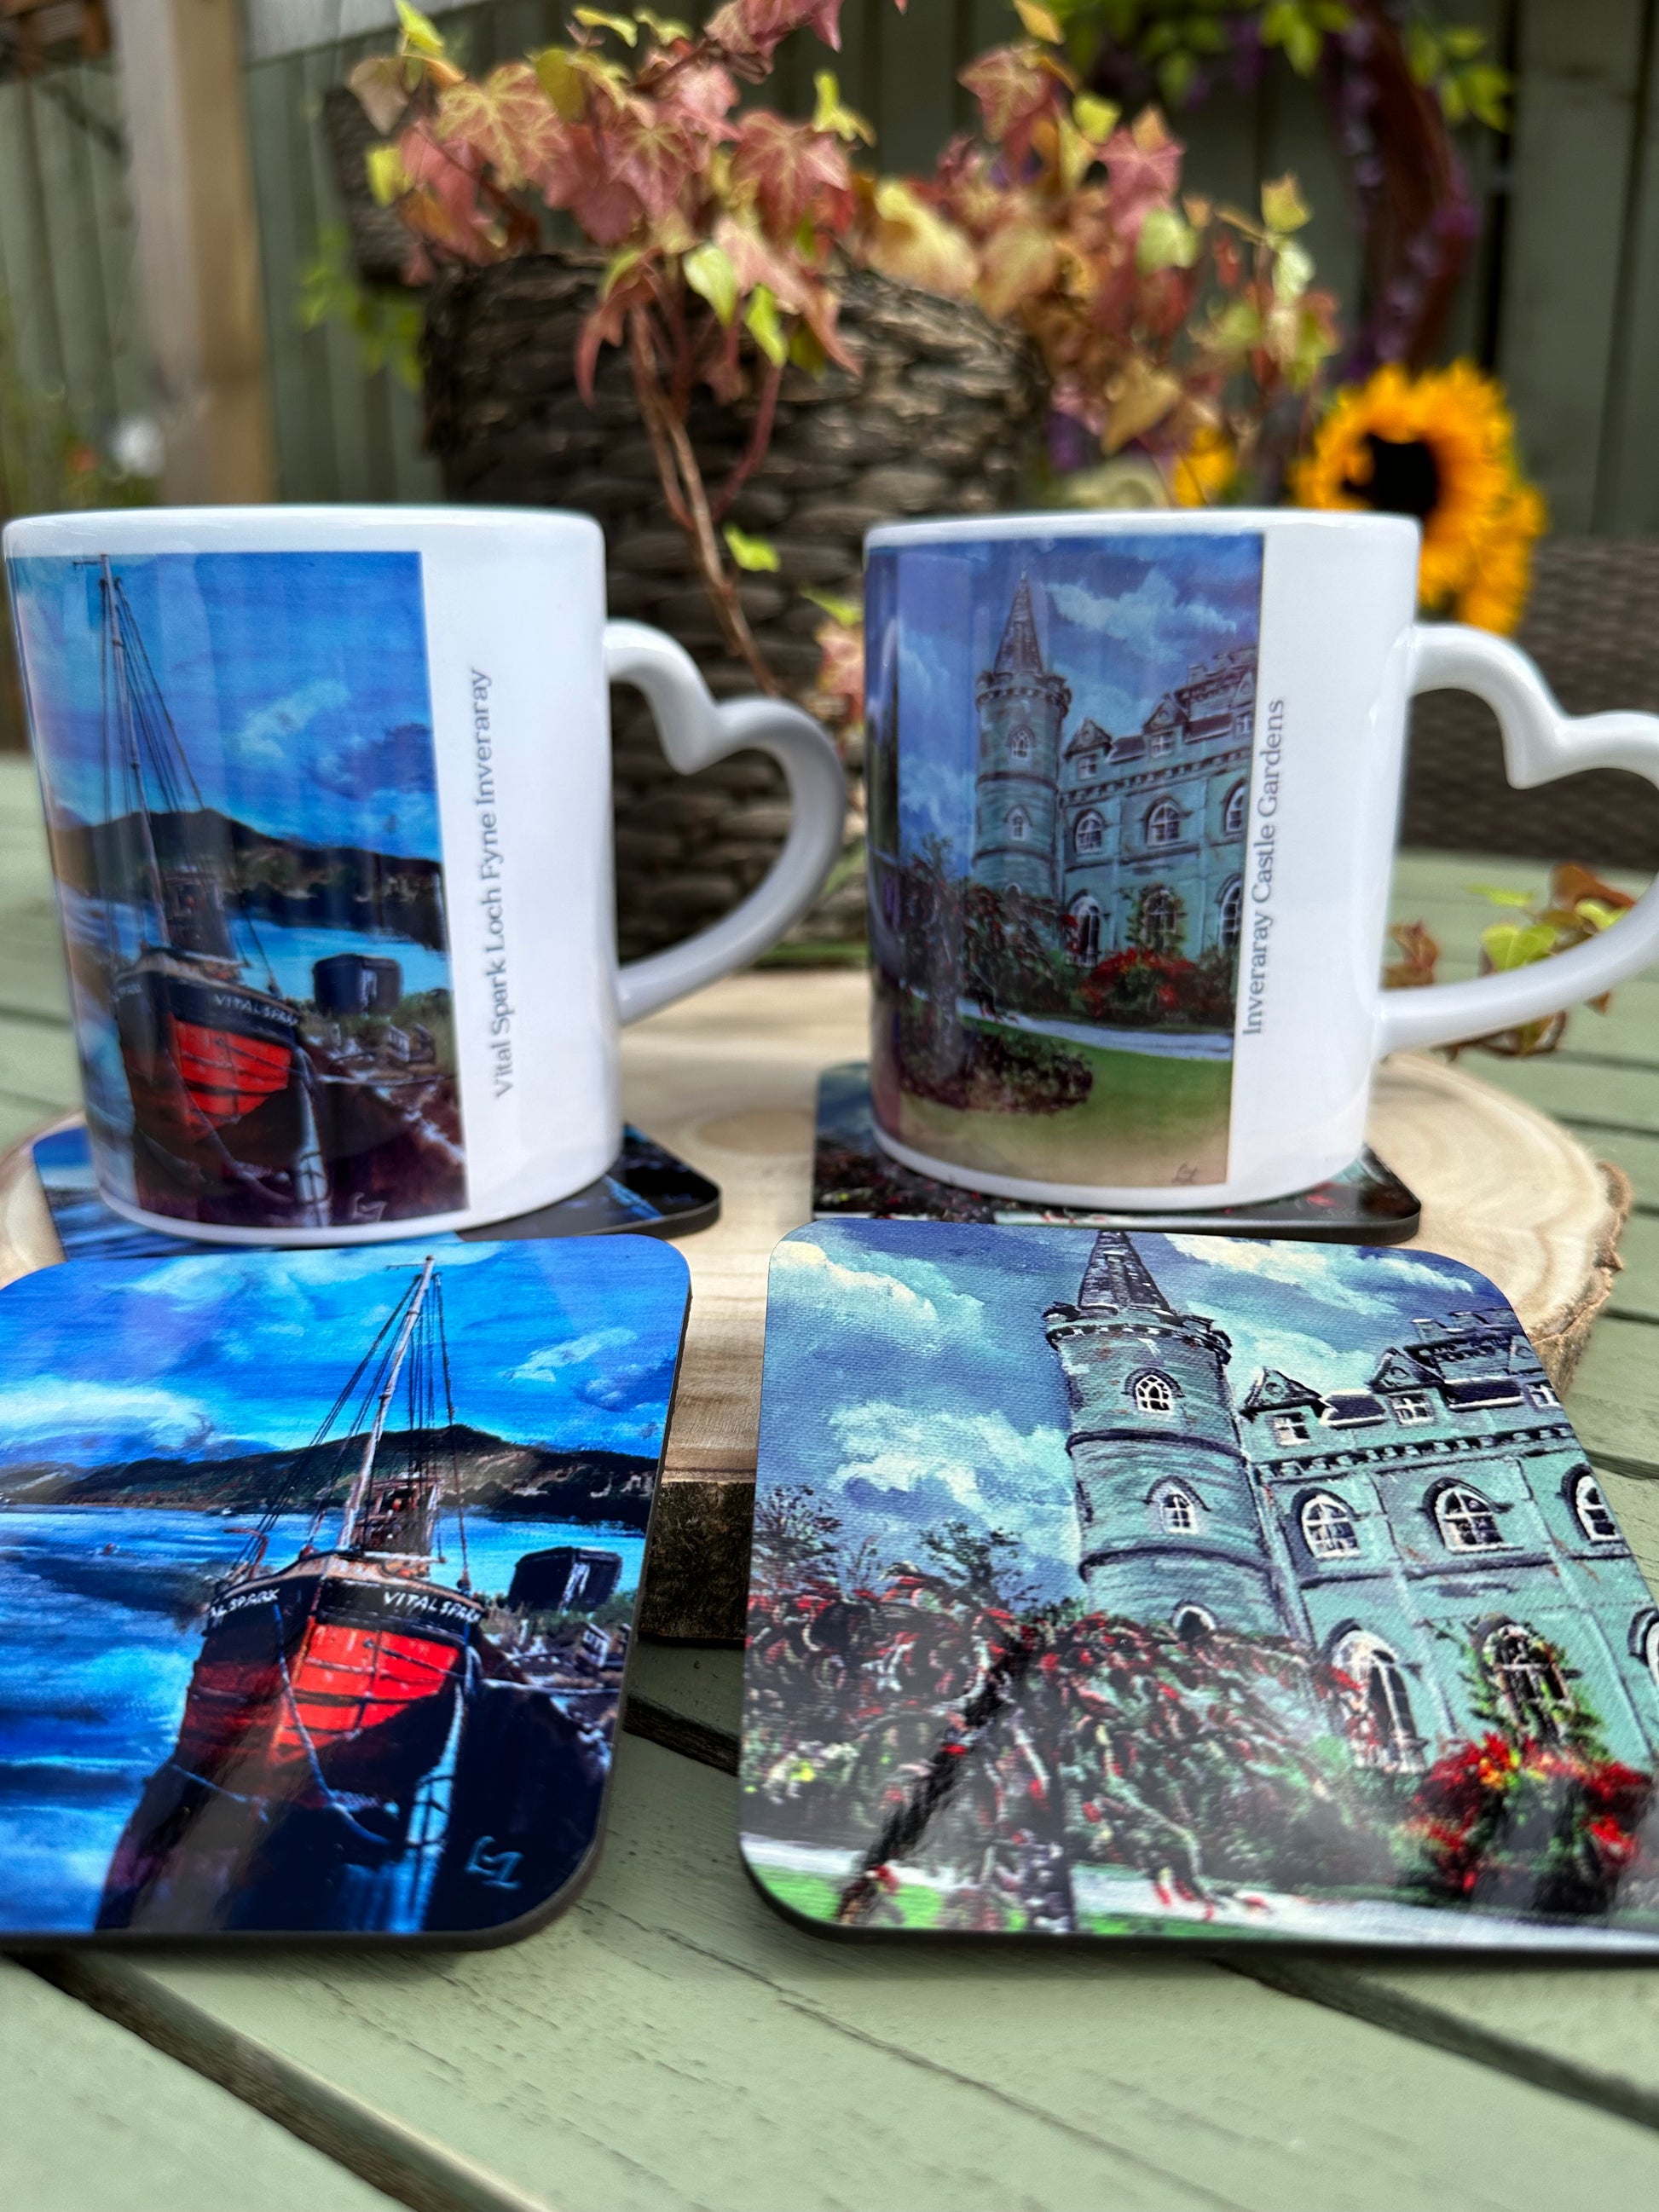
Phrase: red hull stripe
(227, 1076)
(344, 1681)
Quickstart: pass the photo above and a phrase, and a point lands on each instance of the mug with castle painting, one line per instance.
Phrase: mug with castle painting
(1133, 785)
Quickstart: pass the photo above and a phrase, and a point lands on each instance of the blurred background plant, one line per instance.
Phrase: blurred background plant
(1575, 906)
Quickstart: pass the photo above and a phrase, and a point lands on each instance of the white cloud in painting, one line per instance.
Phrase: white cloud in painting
(268, 734)
(545, 1365)
(1142, 617)
(922, 1312)
(1327, 1272)
(104, 1420)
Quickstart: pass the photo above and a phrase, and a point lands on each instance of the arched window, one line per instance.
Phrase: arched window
(1644, 1642)
(1090, 833)
(1232, 810)
(1160, 920)
(1086, 932)
(1153, 1394)
(1327, 1529)
(1232, 915)
(1018, 824)
(1385, 1731)
(1178, 1512)
(1465, 1519)
(1163, 823)
(1594, 1516)
(1527, 1676)
(1192, 1624)
(1020, 742)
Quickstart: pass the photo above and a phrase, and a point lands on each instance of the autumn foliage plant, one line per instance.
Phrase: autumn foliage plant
(722, 227)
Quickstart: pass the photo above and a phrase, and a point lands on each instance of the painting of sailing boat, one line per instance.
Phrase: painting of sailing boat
(236, 756)
(318, 1577)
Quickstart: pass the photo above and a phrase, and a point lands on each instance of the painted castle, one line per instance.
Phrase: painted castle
(1434, 1532)
(1138, 841)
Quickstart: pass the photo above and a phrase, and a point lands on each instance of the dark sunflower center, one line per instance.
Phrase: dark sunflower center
(1405, 477)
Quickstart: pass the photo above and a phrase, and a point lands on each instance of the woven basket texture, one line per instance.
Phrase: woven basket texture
(944, 419)
(1592, 625)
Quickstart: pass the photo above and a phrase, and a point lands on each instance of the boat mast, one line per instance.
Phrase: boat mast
(135, 760)
(358, 1491)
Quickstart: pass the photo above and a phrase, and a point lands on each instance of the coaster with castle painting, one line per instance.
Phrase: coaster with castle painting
(1126, 1584)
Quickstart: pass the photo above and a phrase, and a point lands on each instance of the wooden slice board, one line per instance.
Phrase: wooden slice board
(729, 1079)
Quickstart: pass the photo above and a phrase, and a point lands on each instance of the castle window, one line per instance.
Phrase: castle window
(1162, 740)
(1232, 914)
(1159, 924)
(1290, 1428)
(1411, 1408)
(1163, 823)
(1192, 1624)
(1178, 1512)
(1232, 810)
(1019, 743)
(1327, 1529)
(1541, 1394)
(1466, 1521)
(1018, 824)
(1153, 1394)
(1084, 918)
(1527, 1676)
(1594, 1516)
(1090, 833)
(1088, 764)
(1385, 1731)
(1644, 1641)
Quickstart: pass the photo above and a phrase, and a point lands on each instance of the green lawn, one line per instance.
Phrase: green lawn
(1145, 1120)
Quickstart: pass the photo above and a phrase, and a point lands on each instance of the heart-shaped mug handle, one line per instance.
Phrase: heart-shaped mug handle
(1539, 743)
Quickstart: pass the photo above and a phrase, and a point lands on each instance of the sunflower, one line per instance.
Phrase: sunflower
(1440, 448)
(1206, 470)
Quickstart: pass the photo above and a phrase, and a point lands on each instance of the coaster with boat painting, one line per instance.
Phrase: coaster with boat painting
(318, 1575)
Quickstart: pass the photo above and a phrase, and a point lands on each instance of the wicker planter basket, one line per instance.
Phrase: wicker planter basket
(944, 420)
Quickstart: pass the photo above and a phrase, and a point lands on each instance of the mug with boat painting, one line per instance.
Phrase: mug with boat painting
(328, 794)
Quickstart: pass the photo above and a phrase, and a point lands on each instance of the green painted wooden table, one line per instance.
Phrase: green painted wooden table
(669, 2042)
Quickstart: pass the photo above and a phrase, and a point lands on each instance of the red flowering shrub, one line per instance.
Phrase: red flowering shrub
(1548, 1828)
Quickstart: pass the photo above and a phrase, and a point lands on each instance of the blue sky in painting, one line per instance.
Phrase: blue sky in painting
(569, 1344)
(1122, 618)
(908, 1381)
(297, 684)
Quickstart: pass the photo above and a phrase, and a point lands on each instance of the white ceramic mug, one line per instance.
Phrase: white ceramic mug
(1134, 782)
(329, 795)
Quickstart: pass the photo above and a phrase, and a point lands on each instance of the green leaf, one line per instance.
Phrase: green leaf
(1283, 207)
(1175, 78)
(1040, 22)
(805, 351)
(1293, 271)
(1517, 945)
(618, 267)
(765, 326)
(1095, 119)
(388, 179)
(1599, 915)
(595, 19)
(1487, 91)
(828, 115)
(665, 29)
(565, 85)
(847, 612)
(1498, 896)
(756, 555)
(418, 32)
(1167, 240)
(709, 273)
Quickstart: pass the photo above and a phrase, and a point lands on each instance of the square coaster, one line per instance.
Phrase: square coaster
(318, 1576)
(647, 1189)
(1121, 1585)
(852, 1178)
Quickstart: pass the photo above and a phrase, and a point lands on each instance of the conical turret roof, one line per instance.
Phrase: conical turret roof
(1020, 653)
(1118, 1281)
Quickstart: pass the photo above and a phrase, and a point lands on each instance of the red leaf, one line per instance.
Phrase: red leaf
(653, 151)
(442, 206)
(508, 120)
(1143, 167)
(1013, 85)
(791, 168)
(580, 177)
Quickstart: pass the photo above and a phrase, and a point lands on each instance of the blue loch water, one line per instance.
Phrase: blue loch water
(98, 1635)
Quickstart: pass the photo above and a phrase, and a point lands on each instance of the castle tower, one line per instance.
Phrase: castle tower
(1167, 1505)
(1022, 708)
